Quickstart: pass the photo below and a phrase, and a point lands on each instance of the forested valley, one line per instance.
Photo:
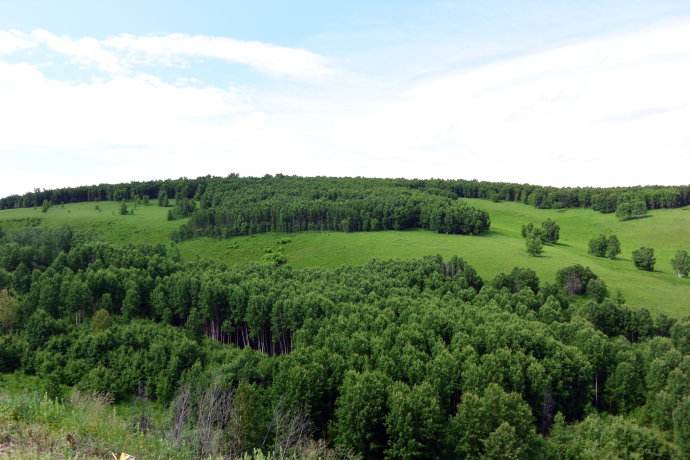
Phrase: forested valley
(394, 359)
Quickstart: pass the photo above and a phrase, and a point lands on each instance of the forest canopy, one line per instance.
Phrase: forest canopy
(601, 199)
(395, 359)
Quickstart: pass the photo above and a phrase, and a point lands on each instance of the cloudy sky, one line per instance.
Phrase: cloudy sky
(548, 92)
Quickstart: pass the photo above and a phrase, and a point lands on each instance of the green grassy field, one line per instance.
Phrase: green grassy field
(500, 250)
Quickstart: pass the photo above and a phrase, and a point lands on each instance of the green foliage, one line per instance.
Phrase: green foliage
(680, 334)
(681, 427)
(574, 279)
(548, 233)
(79, 426)
(245, 206)
(517, 279)
(163, 200)
(45, 206)
(360, 413)
(9, 311)
(534, 245)
(597, 289)
(607, 437)
(644, 259)
(183, 208)
(681, 263)
(12, 349)
(604, 200)
(123, 208)
(503, 444)
(617, 320)
(401, 359)
(494, 422)
(603, 246)
(613, 247)
(634, 209)
(551, 231)
(499, 251)
(414, 423)
(274, 258)
(598, 246)
(101, 320)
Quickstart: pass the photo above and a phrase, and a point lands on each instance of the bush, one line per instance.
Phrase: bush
(644, 259)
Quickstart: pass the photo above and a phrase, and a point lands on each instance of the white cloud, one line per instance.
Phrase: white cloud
(85, 51)
(610, 111)
(12, 41)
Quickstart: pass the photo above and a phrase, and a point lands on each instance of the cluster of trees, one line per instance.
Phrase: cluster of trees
(549, 231)
(578, 280)
(629, 199)
(398, 360)
(241, 206)
(132, 191)
(631, 209)
(184, 207)
(535, 237)
(605, 246)
(643, 258)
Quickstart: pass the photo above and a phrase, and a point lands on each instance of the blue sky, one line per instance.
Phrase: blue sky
(555, 92)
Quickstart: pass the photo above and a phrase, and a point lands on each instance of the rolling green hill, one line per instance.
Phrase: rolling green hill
(500, 250)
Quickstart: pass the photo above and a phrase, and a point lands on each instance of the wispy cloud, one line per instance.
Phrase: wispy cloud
(264, 57)
(121, 53)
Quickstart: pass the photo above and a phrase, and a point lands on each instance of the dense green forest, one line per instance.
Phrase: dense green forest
(328, 188)
(395, 359)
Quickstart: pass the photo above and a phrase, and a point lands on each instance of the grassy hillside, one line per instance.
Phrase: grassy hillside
(500, 250)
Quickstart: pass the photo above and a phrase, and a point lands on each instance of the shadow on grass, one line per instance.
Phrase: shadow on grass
(646, 216)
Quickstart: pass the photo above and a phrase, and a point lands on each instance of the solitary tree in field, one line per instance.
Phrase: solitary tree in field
(681, 263)
(644, 259)
(163, 199)
(123, 208)
(534, 245)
